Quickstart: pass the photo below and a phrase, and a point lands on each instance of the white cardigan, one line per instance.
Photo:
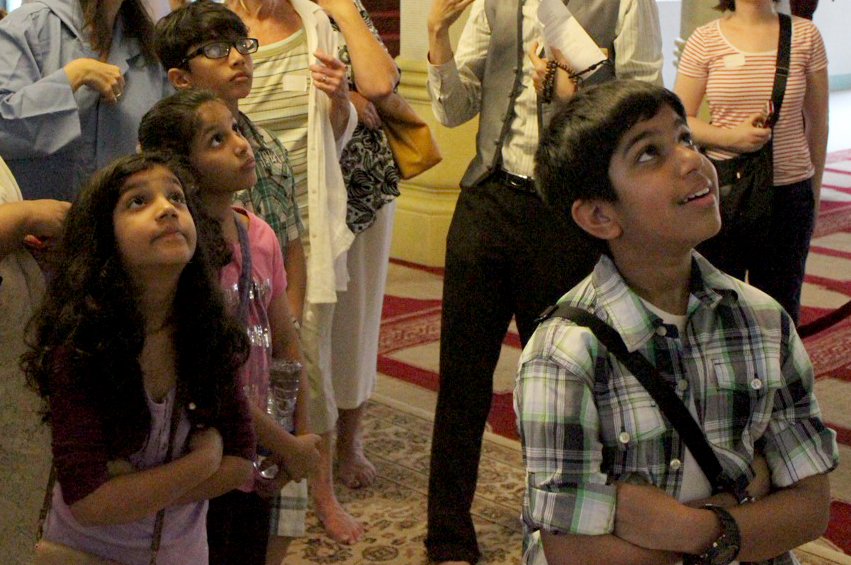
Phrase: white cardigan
(330, 237)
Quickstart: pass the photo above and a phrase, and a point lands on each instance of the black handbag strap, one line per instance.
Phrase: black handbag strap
(781, 71)
(669, 403)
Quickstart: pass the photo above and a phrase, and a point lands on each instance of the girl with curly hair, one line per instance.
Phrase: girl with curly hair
(137, 359)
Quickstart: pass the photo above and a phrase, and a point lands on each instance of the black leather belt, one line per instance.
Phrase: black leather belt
(515, 182)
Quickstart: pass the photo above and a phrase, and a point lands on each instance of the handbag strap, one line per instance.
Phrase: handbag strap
(669, 403)
(160, 519)
(781, 71)
(244, 284)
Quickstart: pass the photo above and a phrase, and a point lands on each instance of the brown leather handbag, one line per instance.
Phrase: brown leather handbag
(414, 148)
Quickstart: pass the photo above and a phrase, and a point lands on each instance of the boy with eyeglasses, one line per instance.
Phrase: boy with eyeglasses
(204, 45)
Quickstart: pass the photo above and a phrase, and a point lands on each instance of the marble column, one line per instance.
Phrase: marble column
(426, 204)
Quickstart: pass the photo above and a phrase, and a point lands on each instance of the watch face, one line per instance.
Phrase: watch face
(724, 553)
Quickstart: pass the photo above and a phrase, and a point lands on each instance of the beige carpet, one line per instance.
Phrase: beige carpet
(394, 508)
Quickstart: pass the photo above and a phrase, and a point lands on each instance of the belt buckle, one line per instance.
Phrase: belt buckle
(516, 182)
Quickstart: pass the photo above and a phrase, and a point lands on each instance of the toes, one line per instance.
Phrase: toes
(338, 523)
(356, 473)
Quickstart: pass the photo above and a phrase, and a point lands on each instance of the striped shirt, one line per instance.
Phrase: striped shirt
(585, 420)
(455, 88)
(739, 83)
(283, 111)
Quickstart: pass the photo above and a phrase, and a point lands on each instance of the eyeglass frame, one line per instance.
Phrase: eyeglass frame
(252, 48)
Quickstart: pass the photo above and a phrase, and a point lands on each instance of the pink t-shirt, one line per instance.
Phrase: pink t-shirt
(739, 83)
(268, 280)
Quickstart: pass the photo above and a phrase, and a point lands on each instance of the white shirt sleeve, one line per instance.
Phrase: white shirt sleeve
(638, 42)
(455, 87)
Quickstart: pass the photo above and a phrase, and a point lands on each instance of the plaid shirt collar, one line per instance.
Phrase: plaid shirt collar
(632, 320)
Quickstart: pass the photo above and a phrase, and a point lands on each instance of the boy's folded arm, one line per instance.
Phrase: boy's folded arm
(604, 549)
(777, 523)
(784, 519)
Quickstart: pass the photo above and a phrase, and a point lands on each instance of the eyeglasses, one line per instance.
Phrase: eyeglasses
(221, 49)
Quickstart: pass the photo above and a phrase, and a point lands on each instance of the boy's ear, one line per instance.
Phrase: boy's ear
(597, 218)
(180, 79)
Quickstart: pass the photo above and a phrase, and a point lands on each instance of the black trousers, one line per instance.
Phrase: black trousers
(506, 254)
(774, 262)
(238, 528)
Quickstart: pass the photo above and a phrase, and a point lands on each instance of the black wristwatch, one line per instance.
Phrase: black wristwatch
(725, 548)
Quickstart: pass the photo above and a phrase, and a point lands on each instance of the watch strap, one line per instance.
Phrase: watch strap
(730, 538)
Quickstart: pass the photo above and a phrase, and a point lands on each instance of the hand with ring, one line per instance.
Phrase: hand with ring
(329, 76)
(104, 78)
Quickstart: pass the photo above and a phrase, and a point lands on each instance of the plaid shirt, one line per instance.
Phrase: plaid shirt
(585, 421)
(273, 196)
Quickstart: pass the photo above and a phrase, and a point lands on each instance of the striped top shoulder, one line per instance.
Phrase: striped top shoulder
(739, 84)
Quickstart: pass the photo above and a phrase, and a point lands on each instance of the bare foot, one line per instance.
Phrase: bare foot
(353, 468)
(339, 524)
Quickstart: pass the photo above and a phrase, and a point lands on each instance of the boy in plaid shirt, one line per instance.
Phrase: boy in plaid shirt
(608, 478)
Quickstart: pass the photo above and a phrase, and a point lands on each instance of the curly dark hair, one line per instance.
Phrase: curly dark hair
(89, 332)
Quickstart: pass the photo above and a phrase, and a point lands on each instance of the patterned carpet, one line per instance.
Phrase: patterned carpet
(394, 508)
(408, 350)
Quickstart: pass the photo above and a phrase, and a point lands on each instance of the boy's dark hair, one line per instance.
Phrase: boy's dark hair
(572, 161)
(89, 332)
(194, 24)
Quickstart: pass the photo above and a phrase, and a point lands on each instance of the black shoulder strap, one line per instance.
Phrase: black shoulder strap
(781, 72)
(669, 403)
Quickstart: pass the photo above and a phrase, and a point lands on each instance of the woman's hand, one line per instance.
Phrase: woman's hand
(749, 135)
(367, 113)
(102, 77)
(329, 75)
(45, 217)
(332, 7)
(564, 87)
(444, 13)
